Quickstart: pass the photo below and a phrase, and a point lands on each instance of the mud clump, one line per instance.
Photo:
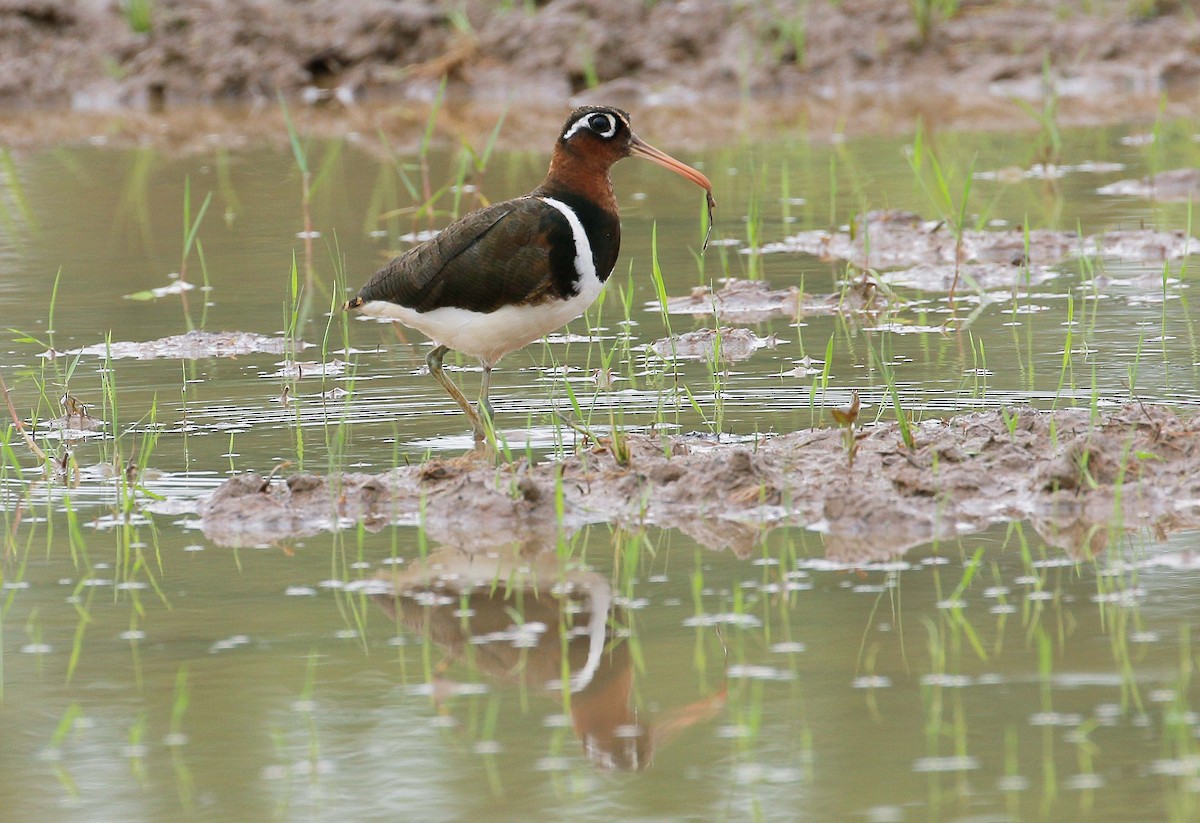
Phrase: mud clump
(754, 301)
(193, 345)
(1176, 186)
(723, 344)
(1078, 480)
(902, 240)
(900, 249)
(739, 301)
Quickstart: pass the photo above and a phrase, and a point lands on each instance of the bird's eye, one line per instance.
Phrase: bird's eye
(603, 124)
(600, 123)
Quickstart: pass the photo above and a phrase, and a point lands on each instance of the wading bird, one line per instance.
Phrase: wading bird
(503, 276)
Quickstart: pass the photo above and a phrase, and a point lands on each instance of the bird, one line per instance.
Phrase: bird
(510, 273)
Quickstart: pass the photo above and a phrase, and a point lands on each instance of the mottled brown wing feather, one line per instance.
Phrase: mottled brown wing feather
(496, 256)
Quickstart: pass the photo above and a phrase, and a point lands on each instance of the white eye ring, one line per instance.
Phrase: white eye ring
(606, 132)
(585, 122)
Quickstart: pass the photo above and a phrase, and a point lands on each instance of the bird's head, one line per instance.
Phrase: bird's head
(598, 136)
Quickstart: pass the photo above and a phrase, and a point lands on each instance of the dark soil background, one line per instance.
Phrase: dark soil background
(1107, 60)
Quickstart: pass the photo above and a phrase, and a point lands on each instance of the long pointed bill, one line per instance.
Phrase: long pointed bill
(640, 148)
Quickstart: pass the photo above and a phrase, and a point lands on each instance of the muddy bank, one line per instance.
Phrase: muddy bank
(854, 65)
(1136, 467)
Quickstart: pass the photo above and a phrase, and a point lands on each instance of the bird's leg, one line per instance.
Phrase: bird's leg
(434, 361)
(485, 385)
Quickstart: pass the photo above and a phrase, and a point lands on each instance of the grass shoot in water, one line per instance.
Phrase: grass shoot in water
(1067, 366)
(190, 229)
(300, 154)
(1048, 146)
(15, 190)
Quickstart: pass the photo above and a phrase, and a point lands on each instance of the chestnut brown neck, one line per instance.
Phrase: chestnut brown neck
(582, 174)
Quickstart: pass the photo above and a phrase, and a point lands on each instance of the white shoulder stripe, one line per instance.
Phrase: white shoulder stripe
(585, 266)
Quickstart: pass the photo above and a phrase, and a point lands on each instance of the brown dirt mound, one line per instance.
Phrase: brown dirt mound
(90, 54)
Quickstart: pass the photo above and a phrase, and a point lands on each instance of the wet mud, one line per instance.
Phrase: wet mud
(1080, 481)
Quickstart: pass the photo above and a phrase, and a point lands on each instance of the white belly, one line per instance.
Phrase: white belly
(492, 335)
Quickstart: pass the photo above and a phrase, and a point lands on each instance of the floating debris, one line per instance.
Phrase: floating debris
(194, 345)
(176, 287)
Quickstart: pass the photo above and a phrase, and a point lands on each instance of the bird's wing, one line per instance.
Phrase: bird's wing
(496, 256)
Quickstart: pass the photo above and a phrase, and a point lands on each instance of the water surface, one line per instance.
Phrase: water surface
(149, 672)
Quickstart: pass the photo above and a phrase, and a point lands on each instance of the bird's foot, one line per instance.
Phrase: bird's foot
(483, 424)
(484, 451)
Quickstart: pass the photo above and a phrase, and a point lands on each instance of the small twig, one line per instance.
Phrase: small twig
(724, 648)
(571, 424)
(1137, 400)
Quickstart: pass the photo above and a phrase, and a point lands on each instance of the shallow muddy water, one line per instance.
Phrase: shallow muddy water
(749, 664)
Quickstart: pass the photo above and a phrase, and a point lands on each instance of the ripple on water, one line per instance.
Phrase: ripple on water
(741, 621)
(229, 643)
(945, 764)
(759, 673)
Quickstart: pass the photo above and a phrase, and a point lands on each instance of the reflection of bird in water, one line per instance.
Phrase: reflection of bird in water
(429, 599)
